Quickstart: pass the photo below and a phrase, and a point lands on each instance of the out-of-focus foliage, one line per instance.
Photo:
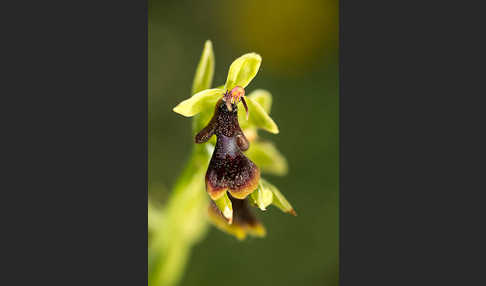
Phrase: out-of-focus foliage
(290, 35)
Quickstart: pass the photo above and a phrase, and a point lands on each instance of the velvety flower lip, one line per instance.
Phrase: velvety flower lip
(229, 169)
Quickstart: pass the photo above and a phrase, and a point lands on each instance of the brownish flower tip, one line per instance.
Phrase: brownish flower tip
(292, 212)
(237, 175)
(229, 169)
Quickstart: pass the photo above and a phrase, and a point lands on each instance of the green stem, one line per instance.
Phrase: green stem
(181, 224)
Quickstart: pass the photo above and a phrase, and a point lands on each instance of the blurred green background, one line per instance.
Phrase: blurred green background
(298, 41)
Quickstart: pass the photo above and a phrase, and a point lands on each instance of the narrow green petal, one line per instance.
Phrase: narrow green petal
(266, 156)
(263, 97)
(243, 70)
(225, 206)
(200, 101)
(262, 197)
(278, 199)
(205, 69)
(258, 117)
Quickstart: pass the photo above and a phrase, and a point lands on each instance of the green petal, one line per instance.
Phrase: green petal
(263, 97)
(200, 101)
(243, 70)
(205, 69)
(266, 156)
(262, 197)
(258, 117)
(225, 206)
(278, 199)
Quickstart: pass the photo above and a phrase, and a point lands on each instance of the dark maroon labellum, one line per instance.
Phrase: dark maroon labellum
(229, 169)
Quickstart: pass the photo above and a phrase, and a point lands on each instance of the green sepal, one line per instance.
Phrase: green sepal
(258, 117)
(203, 100)
(263, 97)
(243, 70)
(262, 197)
(266, 156)
(278, 199)
(225, 206)
(205, 69)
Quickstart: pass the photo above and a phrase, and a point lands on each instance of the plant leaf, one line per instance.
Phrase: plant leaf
(266, 156)
(200, 101)
(257, 118)
(205, 69)
(243, 70)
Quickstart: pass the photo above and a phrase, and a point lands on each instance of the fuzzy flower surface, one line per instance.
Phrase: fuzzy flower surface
(226, 123)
